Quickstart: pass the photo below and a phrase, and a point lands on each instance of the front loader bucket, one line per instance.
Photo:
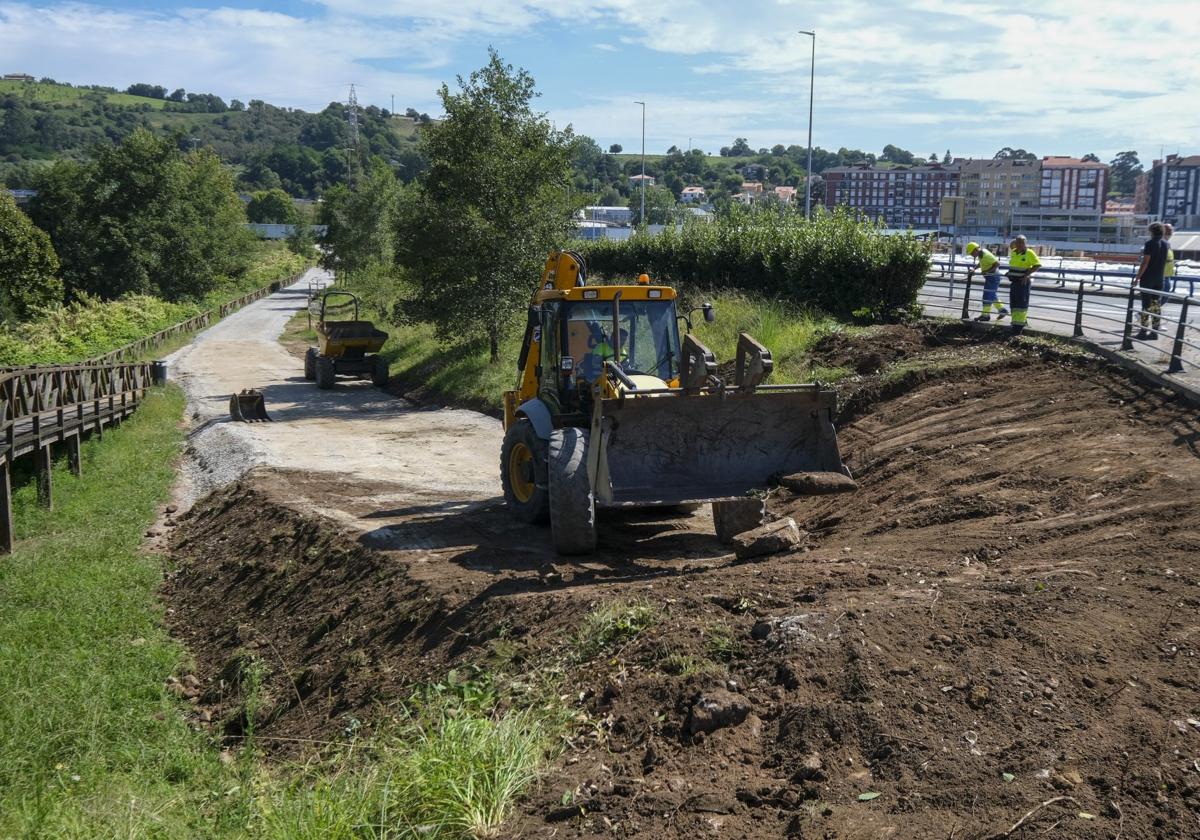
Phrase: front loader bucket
(674, 448)
(248, 407)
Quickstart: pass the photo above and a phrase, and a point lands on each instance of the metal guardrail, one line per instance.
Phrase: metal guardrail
(44, 405)
(1117, 311)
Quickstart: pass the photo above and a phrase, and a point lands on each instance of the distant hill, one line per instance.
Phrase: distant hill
(300, 151)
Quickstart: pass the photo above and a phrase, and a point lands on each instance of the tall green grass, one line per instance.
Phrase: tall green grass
(452, 775)
(788, 331)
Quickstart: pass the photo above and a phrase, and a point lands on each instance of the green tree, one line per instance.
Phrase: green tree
(614, 149)
(272, 207)
(360, 225)
(1009, 153)
(660, 206)
(142, 217)
(894, 154)
(1124, 172)
(489, 208)
(28, 264)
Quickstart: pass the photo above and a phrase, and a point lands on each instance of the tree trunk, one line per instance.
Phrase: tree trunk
(494, 344)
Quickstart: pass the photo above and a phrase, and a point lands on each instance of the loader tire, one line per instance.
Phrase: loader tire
(310, 364)
(523, 474)
(379, 372)
(326, 373)
(572, 505)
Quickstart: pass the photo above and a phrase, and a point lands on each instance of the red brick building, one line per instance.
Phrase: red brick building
(1072, 184)
(901, 196)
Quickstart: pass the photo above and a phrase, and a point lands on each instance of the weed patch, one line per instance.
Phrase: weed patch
(611, 624)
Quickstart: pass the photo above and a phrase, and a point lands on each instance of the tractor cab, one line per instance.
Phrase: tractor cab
(580, 333)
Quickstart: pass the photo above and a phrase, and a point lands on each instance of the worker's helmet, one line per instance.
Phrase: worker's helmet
(972, 247)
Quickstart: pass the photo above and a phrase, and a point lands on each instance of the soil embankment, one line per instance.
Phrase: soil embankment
(1005, 613)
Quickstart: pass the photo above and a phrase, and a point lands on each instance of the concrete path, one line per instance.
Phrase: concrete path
(354, 433)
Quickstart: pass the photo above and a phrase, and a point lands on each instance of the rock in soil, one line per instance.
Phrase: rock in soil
(737, 517)
(771, 538)
(717, 709)
(818, 483)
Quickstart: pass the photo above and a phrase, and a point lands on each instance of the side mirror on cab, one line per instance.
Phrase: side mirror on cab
(710, 314)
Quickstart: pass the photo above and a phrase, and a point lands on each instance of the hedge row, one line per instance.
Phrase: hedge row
(834, 262)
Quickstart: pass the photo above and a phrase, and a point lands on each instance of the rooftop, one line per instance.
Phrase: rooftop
(1063, 160)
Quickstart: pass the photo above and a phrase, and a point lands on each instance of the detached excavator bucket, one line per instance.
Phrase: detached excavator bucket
(676, 448)
(248, 407)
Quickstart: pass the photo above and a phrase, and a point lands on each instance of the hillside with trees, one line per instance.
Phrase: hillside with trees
(268, 147)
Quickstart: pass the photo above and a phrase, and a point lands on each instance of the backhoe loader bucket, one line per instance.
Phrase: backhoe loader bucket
(676, 448)
(248, 407)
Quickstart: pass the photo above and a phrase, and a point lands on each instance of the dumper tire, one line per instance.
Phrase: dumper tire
(536, 508)
(310, 364)
(379, 371)
(326, 373)
(572, 504)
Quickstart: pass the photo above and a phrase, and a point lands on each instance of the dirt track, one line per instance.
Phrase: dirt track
(1013, 590)
(382, 447)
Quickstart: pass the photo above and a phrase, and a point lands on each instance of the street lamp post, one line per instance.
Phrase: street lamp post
(642, 217)
(811, 80)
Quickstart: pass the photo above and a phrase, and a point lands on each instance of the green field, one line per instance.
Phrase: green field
(65, 95)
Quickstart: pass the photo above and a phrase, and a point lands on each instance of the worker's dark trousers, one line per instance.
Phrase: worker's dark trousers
(1151, 305)
(1018, 302)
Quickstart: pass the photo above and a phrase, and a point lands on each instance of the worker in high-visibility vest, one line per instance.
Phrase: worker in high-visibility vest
(1022, 263)
(987, 265)
(1169, 269)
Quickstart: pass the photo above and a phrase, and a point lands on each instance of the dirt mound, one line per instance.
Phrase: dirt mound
(869, 351)
(265, 593)
(1003, 614)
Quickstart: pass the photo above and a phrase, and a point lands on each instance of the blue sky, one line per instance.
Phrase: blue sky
(1060, 77)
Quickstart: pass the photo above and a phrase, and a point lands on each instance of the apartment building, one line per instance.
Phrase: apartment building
(1073, 184)
(900, 196)
(1053, 224)
(1173, 190)
(994, 189)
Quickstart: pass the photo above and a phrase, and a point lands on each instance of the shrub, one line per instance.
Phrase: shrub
(834, 262)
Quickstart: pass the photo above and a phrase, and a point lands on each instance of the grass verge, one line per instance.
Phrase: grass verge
(92, 745)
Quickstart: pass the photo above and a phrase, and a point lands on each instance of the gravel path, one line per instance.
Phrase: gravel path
(354, 433)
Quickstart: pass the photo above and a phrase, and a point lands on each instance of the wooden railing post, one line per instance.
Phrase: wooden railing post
(6, 519)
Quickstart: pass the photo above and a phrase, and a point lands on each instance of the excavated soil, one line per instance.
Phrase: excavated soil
(1003, 615)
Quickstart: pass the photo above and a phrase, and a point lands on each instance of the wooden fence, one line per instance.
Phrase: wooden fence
(44, 405)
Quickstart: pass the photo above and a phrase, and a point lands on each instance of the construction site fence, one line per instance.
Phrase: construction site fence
(43, 406)
(1086, 310)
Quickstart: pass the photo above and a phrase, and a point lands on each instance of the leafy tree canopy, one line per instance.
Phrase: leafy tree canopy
(491, 205)
(142, 217)
(28, 264)
(272, 207)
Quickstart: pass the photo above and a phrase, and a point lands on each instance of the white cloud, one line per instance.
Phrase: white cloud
(1062, 77)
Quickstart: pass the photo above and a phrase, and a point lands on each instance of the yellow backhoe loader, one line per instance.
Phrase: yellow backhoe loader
(613, 410)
